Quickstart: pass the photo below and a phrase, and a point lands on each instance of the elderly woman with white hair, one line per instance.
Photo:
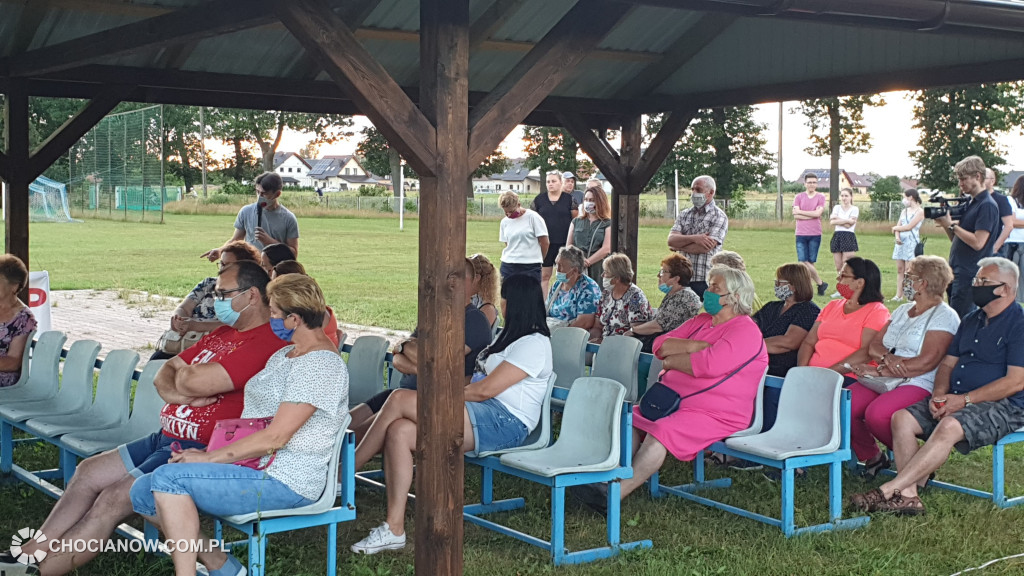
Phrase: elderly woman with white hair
(573, 298)
(525, 236)
(713, 365)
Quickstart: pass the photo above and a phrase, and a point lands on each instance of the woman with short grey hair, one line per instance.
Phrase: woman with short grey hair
(573, 297)
(623, 304)
(738, 285)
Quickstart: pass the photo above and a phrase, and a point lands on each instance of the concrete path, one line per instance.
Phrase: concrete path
(136, 320)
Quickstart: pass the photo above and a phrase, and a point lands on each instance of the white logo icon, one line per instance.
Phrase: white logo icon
(24, 536)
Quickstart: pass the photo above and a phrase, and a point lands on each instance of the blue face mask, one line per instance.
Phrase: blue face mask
(225, 313)
(561, 276)
(277, 325)
(665, 288)
(712, 302)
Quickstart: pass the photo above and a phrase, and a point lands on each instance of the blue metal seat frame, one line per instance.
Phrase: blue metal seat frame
(833, 460)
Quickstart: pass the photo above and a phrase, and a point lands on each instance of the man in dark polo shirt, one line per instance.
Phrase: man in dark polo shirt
(973, 236)
(1005, 213)
(978, 396)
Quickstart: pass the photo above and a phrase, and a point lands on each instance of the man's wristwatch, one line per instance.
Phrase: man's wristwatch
(401, 345)
(953, 226)
(967, 400)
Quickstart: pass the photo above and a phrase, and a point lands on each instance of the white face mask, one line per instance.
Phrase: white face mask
(607, 283)
(589, 207)
(699, 200)
(906, 201)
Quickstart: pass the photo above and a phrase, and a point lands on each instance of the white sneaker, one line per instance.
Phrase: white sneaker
(836, 295)
(380, 538)
(896, 299)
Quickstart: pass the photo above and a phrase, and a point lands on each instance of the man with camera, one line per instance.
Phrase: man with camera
(973, 236)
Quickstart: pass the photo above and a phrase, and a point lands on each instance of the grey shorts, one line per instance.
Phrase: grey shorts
(984, 424)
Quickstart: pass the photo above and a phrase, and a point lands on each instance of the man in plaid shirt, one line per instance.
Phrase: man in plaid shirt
(699, 232)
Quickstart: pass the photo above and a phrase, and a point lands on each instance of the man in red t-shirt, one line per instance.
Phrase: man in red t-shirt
(201, 385)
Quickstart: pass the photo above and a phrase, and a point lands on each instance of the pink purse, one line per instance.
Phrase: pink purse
(227, 431)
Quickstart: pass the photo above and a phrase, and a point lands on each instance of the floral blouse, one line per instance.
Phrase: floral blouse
(202, 295)
(23, 323)
(581, 298)
(617, 315)
(677, 308)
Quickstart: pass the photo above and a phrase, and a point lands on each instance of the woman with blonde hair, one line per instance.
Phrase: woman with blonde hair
(623, 303)
(525, 236)
(592, 231)
(486, 287)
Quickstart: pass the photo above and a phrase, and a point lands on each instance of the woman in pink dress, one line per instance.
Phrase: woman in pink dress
(698, 354)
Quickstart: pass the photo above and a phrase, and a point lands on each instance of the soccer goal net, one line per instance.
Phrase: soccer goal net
(48, 201)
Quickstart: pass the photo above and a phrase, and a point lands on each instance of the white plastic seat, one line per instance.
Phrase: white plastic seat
(366, 368)
(43, 371)
(144, 419)
(568, 352)
(75, 393)
(618, 358)
(808, 420)
(758, 419)
(341, 341)
(108, 410)
(540, 436)
(327, 498)
(23, 375)
(589, 437)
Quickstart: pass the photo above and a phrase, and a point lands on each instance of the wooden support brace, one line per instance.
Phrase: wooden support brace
(16, 123)
(491, 20)
(599, 150)
(77, 126)
(329, 41)
(539, 73)
(202, 21)
(655, 154)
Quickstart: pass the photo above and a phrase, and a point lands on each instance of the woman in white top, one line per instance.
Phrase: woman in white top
(500, 411)
(909, 348)
(1015, 243)
(525, 236)
(908, 234)
(844, 239)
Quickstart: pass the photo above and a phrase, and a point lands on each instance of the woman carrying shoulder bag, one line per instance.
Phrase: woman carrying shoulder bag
(592, 231)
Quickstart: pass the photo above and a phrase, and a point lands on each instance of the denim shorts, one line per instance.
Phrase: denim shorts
(218, 489)
(146, 454)
(807, 248)
(494, 427)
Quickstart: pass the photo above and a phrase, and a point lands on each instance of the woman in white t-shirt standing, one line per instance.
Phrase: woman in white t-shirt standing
(525, 236)
(844, 240)
(909, 348)
(500, 412)
(1015, 243)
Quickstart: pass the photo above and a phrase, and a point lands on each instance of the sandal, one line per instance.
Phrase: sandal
(872, 469)
(716, 459)
(902, 505)
(868, 501)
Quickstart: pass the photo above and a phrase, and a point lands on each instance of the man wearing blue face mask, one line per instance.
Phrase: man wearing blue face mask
(201, 385)
(699, 232)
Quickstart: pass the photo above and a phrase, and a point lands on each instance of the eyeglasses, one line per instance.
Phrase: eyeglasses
(781, 283)
(663, 273)
(979, 281)
(913, 279)
(223, 294)
(842, 276)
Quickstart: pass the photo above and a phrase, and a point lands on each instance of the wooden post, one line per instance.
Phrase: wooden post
(628, 225)
(444, 101)
(18, 172)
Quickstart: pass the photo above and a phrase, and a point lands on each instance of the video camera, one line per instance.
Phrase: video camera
(955, 207)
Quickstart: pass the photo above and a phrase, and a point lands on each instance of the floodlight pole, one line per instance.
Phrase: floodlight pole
(778, 178)
(202, 145)
(401, 197)
(675, 209)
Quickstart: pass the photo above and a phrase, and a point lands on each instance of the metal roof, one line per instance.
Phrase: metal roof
(754, 51)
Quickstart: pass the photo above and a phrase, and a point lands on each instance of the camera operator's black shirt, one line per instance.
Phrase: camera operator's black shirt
(982, 214)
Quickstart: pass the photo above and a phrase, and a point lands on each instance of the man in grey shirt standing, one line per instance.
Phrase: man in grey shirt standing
(264, 225)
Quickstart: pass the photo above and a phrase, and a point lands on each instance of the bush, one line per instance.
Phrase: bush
(887, 189)
(217, 199)
(411, 206)
(373, 191)
(237, 188)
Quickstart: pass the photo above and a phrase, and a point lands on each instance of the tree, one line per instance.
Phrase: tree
(837, 126)
(550, 149)
(886, 189)
(266, 128)
(379, 157)
(724, 143)
(963, 121)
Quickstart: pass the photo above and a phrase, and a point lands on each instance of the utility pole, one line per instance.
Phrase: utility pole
(778, 178)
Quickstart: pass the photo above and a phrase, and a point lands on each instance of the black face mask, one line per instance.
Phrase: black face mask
(984, 295)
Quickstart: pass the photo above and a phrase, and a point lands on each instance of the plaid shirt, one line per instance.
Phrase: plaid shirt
(710, 220)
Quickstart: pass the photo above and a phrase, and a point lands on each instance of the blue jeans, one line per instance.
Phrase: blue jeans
(494, 427)
(148, 453)
(218, 489)
(807, 248)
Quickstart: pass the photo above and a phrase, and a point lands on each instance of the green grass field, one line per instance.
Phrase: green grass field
(368, 270)
(367, 267)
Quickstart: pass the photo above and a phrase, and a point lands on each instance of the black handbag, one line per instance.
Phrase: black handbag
(660, 401)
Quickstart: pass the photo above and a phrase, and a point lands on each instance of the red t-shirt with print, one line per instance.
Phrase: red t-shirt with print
(243, 355)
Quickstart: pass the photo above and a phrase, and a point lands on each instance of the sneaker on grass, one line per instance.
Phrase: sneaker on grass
(381, 538)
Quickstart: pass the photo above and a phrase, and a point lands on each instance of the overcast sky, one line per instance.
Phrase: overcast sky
(890, 126)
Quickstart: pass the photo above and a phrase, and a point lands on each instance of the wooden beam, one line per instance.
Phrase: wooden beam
(444, 98)
(539, 72)
(628, 226)
(695, 39)
(4, 167)
(324, 36)
(491, 21)
(16, 124)
(652, 158)
(77, 126)
(600, 151)
(353, 14)
(208, 19)
(113, 7)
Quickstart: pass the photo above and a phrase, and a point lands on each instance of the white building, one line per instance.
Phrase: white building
(293, 169)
